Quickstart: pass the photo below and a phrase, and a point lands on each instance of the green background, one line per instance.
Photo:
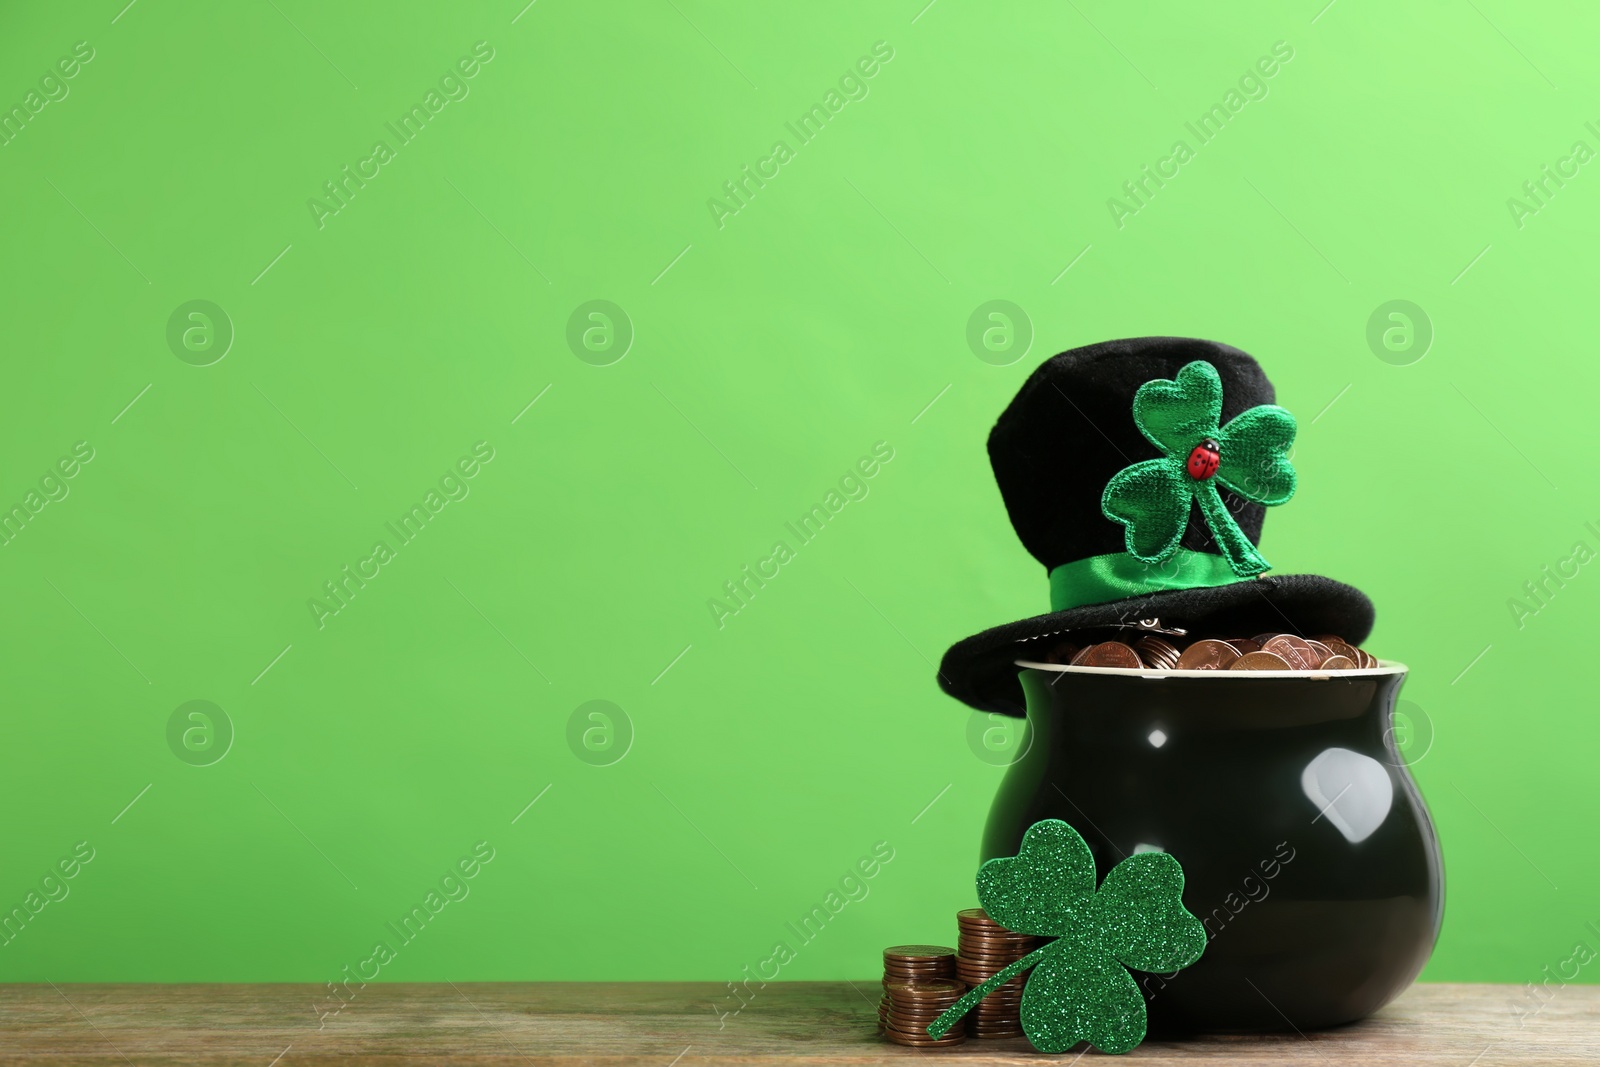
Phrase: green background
(769, 354)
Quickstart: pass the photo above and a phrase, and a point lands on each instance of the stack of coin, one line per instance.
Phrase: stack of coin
(1263, 652)
(986, 948)
(1157, 653)
(914, 963)
(913, 1006)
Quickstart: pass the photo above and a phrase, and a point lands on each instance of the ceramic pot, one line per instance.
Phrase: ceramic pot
(1306, 848)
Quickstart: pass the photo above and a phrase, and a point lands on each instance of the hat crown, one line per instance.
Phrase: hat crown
(1071, 428)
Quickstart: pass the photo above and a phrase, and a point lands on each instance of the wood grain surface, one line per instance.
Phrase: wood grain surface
(676, 1025)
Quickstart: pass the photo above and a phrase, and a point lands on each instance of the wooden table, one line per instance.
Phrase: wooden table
(675, 1025)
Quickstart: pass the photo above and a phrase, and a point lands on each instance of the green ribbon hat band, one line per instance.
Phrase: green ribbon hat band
(1117, 576)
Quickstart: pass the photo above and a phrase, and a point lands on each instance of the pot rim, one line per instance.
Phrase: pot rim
(1385, 666)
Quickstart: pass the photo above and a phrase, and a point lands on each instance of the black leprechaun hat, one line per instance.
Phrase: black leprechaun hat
(1138, 472)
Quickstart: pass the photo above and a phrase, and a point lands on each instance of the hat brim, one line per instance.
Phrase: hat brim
(981, 671)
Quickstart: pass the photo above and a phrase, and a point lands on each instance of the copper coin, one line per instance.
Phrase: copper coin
(917, 994)
(1003, 995)
(989, 930)
(976, 978)
(1331, 640)
(918, 1035)
(925, 991)
(912, 1021)
(908, 1020)
(915, 953)
(1260, 661)
(923, 1001)
(954, 1037)
(903, 1020)
(892, 971)
(910, 1024)
(1294, 651)
(919, 1038)
(1262, 639)
(1244, 644)
(977, 920)
(1338, 648)
(1207, 655)
(1337, 663)
(928, 987)
(1367, 660)
(994, 961)
(1320, 649)
(992, 947)
(1108, 654)
(1156, 653)
(906, 1017)
(1063, 652)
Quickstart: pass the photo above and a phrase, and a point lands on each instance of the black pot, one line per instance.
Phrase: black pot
(1306, 849)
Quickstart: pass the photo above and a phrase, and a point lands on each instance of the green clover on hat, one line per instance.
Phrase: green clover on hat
(1248, 456)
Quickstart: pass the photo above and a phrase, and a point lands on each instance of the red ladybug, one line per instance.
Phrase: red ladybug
(1203, 460)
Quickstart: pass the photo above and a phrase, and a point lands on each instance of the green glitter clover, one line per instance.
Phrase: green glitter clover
(1248, 456)
(1080, 989)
